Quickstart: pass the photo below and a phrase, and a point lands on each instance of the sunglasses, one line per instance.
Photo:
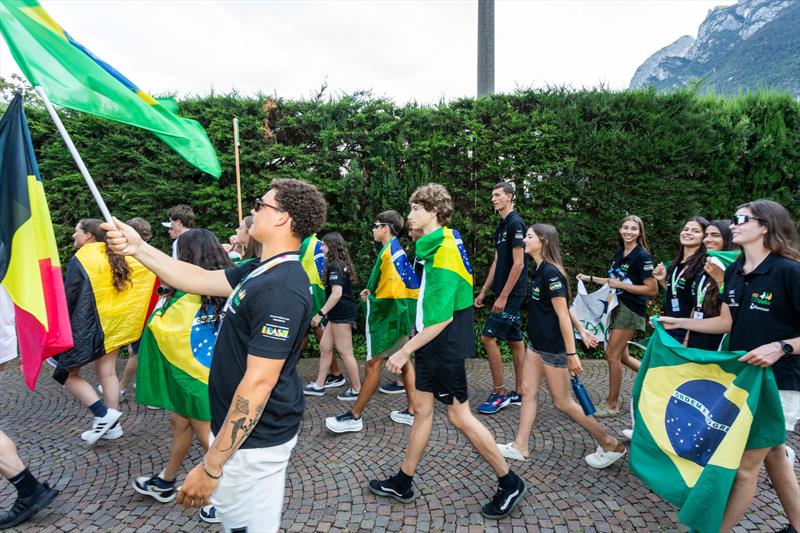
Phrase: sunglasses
(378, 225)
(738, 220)
(259, 203)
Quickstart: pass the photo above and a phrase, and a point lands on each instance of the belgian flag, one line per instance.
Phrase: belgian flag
(29, 266)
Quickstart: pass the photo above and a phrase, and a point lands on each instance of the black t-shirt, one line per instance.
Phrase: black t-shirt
(345, 308)
(456, 342)
(509, 235)
(544, 332)
(765, 306)
(680, 298)
(633, 268)
(267, 316)
(704, 341)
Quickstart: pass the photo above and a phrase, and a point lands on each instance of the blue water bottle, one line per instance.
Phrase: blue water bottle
(582, 396)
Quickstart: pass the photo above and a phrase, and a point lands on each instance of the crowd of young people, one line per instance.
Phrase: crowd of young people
(255, 399)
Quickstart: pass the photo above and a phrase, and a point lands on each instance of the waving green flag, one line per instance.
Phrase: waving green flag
(696, 411)
(74, 77)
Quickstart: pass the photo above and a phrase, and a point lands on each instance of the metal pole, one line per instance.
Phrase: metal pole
(75, 155)
(485, 47)
(238, 178)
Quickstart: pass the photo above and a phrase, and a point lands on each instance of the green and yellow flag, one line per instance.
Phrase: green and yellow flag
(696, 412)
(175, 357)
(393, 288)
(313, 260)
(446, 285)
(74, 77)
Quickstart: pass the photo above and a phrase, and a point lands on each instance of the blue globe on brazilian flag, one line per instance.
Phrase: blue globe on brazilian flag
(696, 411)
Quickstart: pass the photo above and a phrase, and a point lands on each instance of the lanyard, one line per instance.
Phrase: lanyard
(257, 272)
(702, 288)
(675, 279)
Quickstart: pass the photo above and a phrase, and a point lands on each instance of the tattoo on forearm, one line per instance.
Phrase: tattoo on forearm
(242, 405)
(243, 426)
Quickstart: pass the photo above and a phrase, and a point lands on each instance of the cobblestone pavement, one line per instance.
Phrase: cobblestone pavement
(328, 473)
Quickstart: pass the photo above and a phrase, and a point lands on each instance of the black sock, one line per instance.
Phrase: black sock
(403, 480)
(98, 408)
(509, 481)
(25, 483)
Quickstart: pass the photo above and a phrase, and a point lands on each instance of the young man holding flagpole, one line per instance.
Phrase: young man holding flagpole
(391, 296)
(445, 338)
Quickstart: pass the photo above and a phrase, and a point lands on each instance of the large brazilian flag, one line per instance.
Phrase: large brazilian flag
(313, 260)
(696, 411)
(393, 288)
(175, 357)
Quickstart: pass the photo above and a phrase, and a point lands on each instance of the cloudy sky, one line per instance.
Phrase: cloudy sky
(401, 49)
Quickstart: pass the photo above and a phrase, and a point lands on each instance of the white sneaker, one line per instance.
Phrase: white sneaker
(344, 423)
(101, 425)
(509, 452)
(790, 455)
(402, 417)
(112, 434)
(208, 514)
(627, 433)
(603, 459)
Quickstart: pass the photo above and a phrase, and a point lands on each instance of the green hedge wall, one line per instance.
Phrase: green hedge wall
(580, 160)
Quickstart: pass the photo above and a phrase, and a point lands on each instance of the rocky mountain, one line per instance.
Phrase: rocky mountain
(748, 45)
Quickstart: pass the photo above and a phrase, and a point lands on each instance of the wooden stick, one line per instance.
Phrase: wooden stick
(238, 177)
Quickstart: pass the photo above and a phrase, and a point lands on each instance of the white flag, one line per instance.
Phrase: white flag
(594, 310)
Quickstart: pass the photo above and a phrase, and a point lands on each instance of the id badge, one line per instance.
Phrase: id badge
(697, 315)
(676, 305)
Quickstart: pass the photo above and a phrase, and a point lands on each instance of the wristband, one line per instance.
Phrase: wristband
(591, 279)
(572, 353)
(209, 474)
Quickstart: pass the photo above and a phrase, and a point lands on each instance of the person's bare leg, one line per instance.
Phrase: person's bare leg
(781, 473)
(181, 443)
(614, 351)
(744, 487)
(10, 463)
(105, 369)
(334, 366)
(201, 430)
(531, 379)
(630, 361)
(372, 375)
(409, 378)
(495, 363)
(481, 438)
(129, 374)
(420, 432)
(343, 340)
(325, 355)
(80, 388)
(518, 352)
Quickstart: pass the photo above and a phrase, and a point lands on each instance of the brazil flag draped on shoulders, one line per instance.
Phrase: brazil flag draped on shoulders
(446, 285)
(393, 288)
(175, 356)
(696, 411)
(313, 260)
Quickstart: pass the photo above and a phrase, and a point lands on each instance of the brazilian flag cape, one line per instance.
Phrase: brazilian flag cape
(696, 411)
(446, 285)
(393, 288)
(313, 260)
(175, 357)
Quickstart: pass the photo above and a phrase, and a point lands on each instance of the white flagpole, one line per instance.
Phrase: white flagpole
(75, 155)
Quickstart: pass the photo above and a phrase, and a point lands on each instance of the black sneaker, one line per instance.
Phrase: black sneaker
(787, 529)
(332, 382)
(159, 489)
(388, 488)
(25, 508)
(504, 501)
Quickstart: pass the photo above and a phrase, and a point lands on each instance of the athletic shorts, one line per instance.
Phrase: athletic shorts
(445, 379)
(249, 496)
(558, 360)
(790, 400)
(399, 343)
(505, 326)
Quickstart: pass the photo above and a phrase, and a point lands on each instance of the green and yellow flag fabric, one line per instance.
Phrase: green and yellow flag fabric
(313, 260)
(446, 285)
(696, 411)
(175, 357)
(393, 288)
(74, 77)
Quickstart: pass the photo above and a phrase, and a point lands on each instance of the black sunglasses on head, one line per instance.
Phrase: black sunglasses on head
(738, 220)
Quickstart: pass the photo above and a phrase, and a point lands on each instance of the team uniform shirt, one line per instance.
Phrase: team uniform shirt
(267, 316)
(509, 235)
(544, 332)
(703, 341)
(680, 297)
(765, 307)
(345, 309)
(633, 268)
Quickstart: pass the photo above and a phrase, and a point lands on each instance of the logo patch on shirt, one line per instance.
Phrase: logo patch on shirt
(519, 236)
(648, 266)
(760, 301)
(272, 331)
(556, 285)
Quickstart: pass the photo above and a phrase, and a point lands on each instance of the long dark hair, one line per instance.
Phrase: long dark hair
(781, 236)
(120, 269)
(695, 264)
(202, 248)
(724, 227)
(551, 250)
(338, 255)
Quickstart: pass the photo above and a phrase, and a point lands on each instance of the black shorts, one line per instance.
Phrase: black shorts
(505, 326)
(445, 379)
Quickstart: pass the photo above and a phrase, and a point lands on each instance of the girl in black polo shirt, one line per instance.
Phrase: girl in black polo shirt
(551, 351)
(631, 274)
(761, 310)
(340, 312)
